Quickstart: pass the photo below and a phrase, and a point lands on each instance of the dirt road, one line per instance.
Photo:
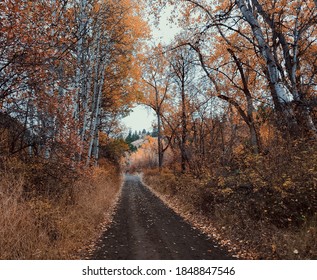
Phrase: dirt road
(144, 228)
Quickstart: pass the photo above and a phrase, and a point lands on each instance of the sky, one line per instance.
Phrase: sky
(141, 117)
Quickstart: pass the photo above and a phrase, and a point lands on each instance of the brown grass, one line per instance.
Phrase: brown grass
(45, 228)
(250, 222)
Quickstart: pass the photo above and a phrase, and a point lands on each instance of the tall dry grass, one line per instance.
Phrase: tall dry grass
(18, 225)
(45, 228)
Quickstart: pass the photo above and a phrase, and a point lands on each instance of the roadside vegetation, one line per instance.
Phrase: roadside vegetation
(263, 208)
(68, 74)
(234, 95)
(54, 225)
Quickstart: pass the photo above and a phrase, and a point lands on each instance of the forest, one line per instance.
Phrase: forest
(234, 144)
(68, 73)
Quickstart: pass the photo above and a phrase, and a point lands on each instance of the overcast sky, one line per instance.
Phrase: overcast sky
(141, 118)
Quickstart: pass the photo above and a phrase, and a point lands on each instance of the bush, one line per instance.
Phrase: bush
(266, 203)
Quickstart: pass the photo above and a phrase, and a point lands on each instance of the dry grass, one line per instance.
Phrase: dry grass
(231, 216)
(45, 228)
(18, 225)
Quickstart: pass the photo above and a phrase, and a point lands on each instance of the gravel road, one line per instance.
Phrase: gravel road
(143, 228)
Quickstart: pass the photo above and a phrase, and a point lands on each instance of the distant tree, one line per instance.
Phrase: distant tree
(132, 148)
(154, 133)
(135, 136)
(128, 139)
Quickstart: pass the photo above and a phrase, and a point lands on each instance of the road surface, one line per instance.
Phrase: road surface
(143, 228)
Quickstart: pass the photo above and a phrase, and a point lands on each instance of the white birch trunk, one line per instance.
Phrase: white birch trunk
(98, 117)
(94, 124)
(302, 115)
(281, 94)
(86, 99)
(79, 53)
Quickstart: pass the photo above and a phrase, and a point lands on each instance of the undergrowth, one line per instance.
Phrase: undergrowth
(53, 225)
(264, 203)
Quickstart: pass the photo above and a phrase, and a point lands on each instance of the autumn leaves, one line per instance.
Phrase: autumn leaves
(68, 71)
(247, 58)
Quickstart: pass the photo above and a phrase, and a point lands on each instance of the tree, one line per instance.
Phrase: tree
(277, 36)
(181, 64)
(68, 70)
(108, 59)
(157, 81)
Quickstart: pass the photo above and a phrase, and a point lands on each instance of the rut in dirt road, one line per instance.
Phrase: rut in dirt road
(143, 228)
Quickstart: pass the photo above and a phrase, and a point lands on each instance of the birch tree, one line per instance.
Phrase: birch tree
(281, 35)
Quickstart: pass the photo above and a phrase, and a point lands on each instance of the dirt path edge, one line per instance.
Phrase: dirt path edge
(203, 224)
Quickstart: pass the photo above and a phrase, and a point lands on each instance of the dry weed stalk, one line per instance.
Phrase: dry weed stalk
(44, 228)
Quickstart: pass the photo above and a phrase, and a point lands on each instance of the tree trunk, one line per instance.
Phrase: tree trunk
(184, 130)
(159, 142)
(291, 64)
(96, 100)
(278, 91)
(79, 52)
